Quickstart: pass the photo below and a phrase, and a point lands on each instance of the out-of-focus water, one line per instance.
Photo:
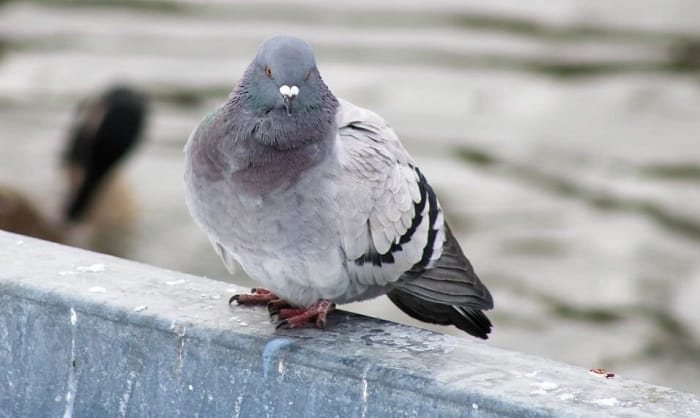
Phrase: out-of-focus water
(563, 139)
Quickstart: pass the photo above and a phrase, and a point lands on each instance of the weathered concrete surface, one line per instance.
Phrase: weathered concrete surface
(90, 335)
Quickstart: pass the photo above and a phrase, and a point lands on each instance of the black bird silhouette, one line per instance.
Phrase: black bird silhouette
(105, 130)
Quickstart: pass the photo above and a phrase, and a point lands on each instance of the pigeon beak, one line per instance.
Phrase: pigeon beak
(288, 96)
(288, 104)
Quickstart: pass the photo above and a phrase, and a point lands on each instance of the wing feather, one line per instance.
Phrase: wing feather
(393, 223)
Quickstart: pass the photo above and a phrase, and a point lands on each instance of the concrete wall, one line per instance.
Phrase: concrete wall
(83, 334)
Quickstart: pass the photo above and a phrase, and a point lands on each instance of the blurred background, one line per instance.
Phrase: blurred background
(563, 139)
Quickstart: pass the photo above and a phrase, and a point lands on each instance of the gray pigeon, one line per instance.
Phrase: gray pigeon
(317, 199)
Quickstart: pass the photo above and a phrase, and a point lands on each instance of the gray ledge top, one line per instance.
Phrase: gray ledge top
(391, 369)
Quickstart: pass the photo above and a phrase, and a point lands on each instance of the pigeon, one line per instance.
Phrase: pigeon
(317, 200)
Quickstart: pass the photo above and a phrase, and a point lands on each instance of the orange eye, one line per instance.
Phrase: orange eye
(268, 72)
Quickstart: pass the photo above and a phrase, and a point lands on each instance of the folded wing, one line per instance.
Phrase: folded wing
(394, 234)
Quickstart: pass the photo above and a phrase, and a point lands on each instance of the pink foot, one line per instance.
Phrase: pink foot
(276, 306)
(258, 296)
(301, 317)
(288, 316)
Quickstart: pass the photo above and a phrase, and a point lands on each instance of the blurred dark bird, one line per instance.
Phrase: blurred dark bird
(105, 130)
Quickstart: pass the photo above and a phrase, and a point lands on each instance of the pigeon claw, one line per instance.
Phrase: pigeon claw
(288, 317)
(291, 312)
(258, 296)
(314, 315)
(274, 307)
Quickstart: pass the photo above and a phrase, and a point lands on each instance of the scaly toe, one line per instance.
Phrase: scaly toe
(274, 307)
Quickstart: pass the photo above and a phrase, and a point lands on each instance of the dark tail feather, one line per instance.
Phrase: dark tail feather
(469, 320)
(449, 293)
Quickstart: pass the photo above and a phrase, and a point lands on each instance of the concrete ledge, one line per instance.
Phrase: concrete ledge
(83, 334)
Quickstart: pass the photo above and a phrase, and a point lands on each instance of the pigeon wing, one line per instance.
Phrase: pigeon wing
(394, 233)
(391, 218)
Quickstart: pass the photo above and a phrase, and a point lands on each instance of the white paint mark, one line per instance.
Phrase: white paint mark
(140, 308)
(73, 316)
(547, 385)
(71, 385)
(175, 282)
(66, 273)
(270, 352)
(210, 398)
(57, 398)
(543, 388)
(475, 406)
(567, 396)
(237, 406)
(243, 324)
(365, 391)
(190, 388)
(533, 374)
(124, 401)
(93, 268)
(181, 331)
(606, 402)
(97, 289)
(280, 368)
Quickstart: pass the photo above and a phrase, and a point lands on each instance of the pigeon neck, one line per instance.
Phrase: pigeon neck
(269, 150)
(260, 117)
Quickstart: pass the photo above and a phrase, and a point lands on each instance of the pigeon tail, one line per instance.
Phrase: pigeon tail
(449, 293)
(469, 320)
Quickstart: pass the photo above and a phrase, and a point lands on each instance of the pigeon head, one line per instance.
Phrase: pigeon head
(283, 77)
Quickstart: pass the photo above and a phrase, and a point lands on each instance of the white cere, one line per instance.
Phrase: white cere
(287, 91)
